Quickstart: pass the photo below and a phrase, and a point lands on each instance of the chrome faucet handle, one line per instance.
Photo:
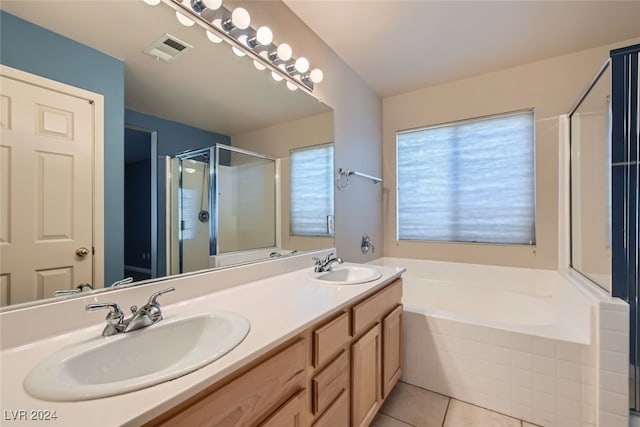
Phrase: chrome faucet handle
(153, 299)
(83, 287)
(115, 318)
(115, 314)
(121, 282)
(328, 258)
(152, 308)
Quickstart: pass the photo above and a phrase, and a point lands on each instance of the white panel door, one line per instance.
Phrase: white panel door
(46, 180)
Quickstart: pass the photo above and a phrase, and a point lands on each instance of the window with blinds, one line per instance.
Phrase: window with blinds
(468, 181)
(311, 207)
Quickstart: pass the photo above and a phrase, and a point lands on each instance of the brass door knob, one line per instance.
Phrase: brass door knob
(82, 252)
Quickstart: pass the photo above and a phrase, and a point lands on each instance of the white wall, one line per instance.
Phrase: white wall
(551, 87)
(357, 125)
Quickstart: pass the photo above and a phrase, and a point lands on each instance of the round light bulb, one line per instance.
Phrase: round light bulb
(316, 75)
(302, 64)
(184, 20)
(152, 2)
(277, 77)
(237, 51)
(258, 65)
(212, 4)
(213, 38)
(291, 86)
(284, 52)
(240, 18)
(264, 35)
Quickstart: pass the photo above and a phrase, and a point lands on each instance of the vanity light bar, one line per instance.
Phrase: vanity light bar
(270, 56)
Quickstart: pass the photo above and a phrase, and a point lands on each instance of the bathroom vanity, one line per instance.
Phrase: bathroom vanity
(311, 379)
(316, 354)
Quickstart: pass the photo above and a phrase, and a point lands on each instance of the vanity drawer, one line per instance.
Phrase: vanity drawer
(330, 382)
(250, 396)
(337, 414)
(373, 308)
(291, 414)
(329, 339)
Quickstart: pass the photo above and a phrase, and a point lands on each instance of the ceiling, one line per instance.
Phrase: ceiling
(398, 46)
(208, 87)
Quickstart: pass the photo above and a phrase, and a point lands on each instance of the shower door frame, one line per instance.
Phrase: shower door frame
(213, 218)
(217, 148)
(625, 192)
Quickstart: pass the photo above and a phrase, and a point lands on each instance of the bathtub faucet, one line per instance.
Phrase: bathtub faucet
(323, 265)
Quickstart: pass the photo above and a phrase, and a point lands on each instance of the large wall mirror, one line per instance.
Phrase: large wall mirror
(205, 135)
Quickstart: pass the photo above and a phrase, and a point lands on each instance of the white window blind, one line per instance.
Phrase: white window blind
(311, 208)
(470, 181)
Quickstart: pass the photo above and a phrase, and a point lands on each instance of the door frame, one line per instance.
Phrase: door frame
(153, 153)
(97, 102)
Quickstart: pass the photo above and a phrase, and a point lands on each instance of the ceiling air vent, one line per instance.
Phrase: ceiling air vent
(167, 48)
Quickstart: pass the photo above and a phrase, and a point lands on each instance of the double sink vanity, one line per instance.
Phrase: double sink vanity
(271, 344)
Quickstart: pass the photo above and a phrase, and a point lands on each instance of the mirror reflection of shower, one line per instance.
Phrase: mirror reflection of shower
(222, 207)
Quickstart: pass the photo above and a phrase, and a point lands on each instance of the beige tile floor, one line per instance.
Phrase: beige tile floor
(410, 406)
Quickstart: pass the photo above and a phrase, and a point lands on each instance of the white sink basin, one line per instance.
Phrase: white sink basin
(348, 275)
(106, 366)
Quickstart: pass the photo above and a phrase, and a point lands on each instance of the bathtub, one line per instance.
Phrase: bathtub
(518, 341)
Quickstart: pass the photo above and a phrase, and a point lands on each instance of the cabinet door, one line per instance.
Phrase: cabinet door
(391, 350)
(338, 413)
(365, 377)
(291, 414)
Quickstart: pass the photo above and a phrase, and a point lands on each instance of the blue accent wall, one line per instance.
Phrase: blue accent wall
(173, 138)
(39, 51)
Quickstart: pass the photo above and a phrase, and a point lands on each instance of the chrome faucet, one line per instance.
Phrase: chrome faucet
(84, 287)
(121, 282)
(142, 317)
(324, 265)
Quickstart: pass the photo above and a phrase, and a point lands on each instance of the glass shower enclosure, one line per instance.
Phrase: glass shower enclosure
(220, 200)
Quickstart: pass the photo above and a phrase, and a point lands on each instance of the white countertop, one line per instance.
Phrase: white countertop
(278, 308)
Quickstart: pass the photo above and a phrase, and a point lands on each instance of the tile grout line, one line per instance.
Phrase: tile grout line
(398, 419)
(446, 411)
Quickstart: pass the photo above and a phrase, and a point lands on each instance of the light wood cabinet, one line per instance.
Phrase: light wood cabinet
(291, 414)
(338, 413)
(330, 382)
(391, 350)
(329, 339)
(365, 377)
(336, 373)
(249, 397)
(372, 309)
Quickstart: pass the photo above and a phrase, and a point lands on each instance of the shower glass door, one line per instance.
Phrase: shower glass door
(193, 214)
(223, 208)
(246, 200)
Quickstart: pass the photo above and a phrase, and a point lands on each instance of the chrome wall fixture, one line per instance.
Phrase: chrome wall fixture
(343, 178)
(234, 27)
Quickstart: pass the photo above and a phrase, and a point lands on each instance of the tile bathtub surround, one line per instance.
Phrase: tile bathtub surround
(543, 381)
(550, 382)
(410, 406)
